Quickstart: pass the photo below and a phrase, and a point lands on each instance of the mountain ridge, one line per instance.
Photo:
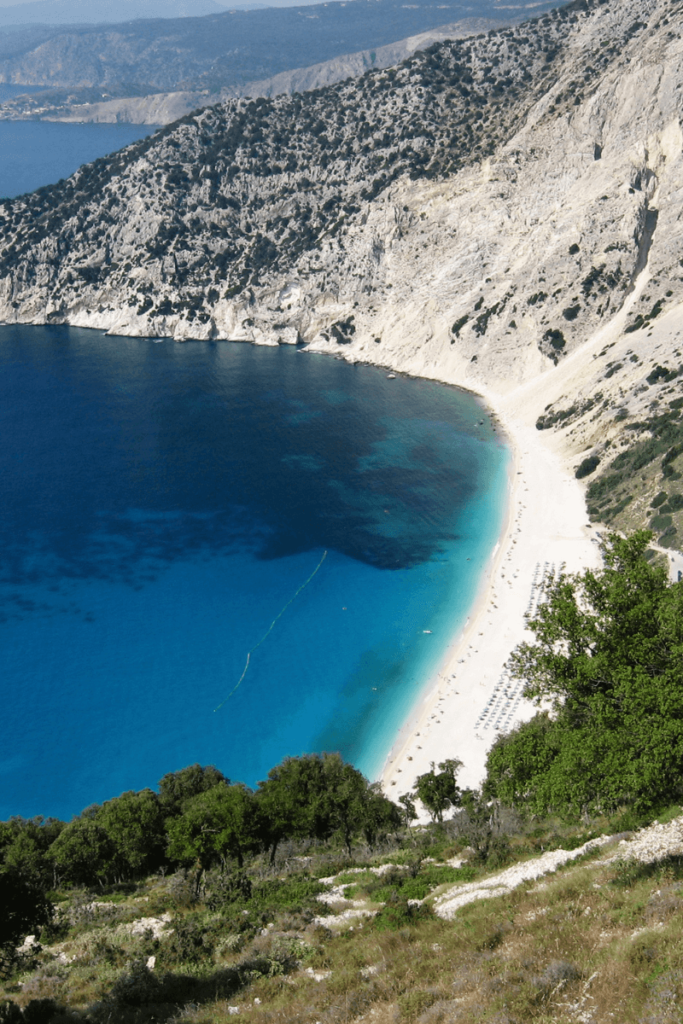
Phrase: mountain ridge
(162, 108)
(223, 50)
(71, 12)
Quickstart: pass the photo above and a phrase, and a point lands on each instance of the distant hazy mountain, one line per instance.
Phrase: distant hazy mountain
(225, 50)
(112, 12)
(72, 12)
(164, 107)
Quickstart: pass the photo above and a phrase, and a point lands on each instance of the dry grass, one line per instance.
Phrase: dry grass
(595, 943)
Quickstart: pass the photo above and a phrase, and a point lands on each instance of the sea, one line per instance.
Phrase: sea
(35, 153)
(222, 553)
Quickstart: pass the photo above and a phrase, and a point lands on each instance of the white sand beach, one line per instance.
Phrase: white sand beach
(472, 696)
(547, 529)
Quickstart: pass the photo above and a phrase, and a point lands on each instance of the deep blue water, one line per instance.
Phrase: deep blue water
(35, 153)
(159, 506)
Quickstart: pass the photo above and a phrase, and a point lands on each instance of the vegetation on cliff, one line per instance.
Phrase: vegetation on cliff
(324, 936)
(197, 821)
(229, 198)
(607, 663)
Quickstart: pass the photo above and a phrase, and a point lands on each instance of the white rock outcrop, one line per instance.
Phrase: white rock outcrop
(651, 844)
(504, 882)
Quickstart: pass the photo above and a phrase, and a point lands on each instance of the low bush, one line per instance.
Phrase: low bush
(587, 466)
(674, 504)
(556, 339)
(413, 1004)
(287, 894)
(399, 913)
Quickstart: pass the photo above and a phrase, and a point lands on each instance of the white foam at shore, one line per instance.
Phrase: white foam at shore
(472, 696)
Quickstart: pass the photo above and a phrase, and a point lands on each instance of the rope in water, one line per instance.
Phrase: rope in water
(270, 630)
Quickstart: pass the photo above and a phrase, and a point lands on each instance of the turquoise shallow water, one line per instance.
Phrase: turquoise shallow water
(160, 504)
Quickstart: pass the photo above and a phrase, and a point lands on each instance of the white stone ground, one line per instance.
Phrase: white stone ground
(647, 846)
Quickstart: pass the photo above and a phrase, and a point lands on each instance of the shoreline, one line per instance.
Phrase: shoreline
(440, 681)
(470, 697)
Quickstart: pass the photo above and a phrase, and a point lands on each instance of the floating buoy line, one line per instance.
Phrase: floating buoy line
(269, 631)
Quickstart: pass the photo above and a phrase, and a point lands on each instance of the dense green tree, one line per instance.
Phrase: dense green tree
(134, 823)
(218, 824)
(379, 815)
(352, 806)
(84, 853)
(317, 796)
(293, 801)
(124, 838)
(199, 819)
(25, 857)
(24, 846)
(177, 788)
(607, 662)
(439, 791)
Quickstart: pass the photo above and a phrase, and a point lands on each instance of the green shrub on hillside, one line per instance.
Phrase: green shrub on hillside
(608, 656)
(587, 466)
(399, 913)
(200, 822)
(665, 440)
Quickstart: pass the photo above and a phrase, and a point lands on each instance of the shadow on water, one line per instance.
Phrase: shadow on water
(161, 504)
(120, 457)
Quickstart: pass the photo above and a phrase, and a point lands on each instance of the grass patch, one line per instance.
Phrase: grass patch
(608, 934)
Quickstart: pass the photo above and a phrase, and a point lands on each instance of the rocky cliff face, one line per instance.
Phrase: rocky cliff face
(474, 214)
